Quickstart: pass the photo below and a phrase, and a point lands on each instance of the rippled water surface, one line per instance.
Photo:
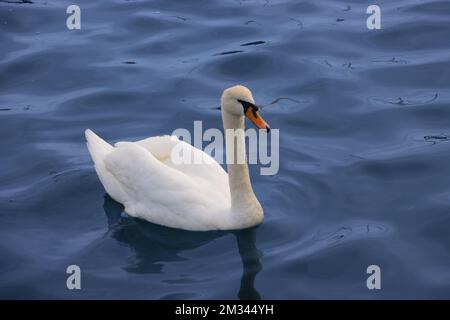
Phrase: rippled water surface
(364, 146)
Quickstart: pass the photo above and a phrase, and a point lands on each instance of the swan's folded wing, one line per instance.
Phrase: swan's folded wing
(138, 170)
(184, 157)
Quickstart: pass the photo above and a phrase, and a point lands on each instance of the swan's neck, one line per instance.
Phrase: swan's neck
(244, 204)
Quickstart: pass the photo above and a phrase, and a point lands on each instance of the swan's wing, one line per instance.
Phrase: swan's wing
(159, 193)
(182, 156)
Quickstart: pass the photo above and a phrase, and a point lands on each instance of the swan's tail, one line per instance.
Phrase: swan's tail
(98, 148)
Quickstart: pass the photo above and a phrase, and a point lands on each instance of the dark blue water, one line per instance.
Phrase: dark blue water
(364, 146)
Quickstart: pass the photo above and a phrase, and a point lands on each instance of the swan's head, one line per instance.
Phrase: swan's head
(238, 101)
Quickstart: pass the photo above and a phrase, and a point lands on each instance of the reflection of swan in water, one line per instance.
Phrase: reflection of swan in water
(251, 260)
(153, 244)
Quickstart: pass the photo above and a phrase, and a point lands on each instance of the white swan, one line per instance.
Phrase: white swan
(144, 178)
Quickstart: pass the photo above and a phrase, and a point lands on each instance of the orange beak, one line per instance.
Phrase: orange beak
(254, 117)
